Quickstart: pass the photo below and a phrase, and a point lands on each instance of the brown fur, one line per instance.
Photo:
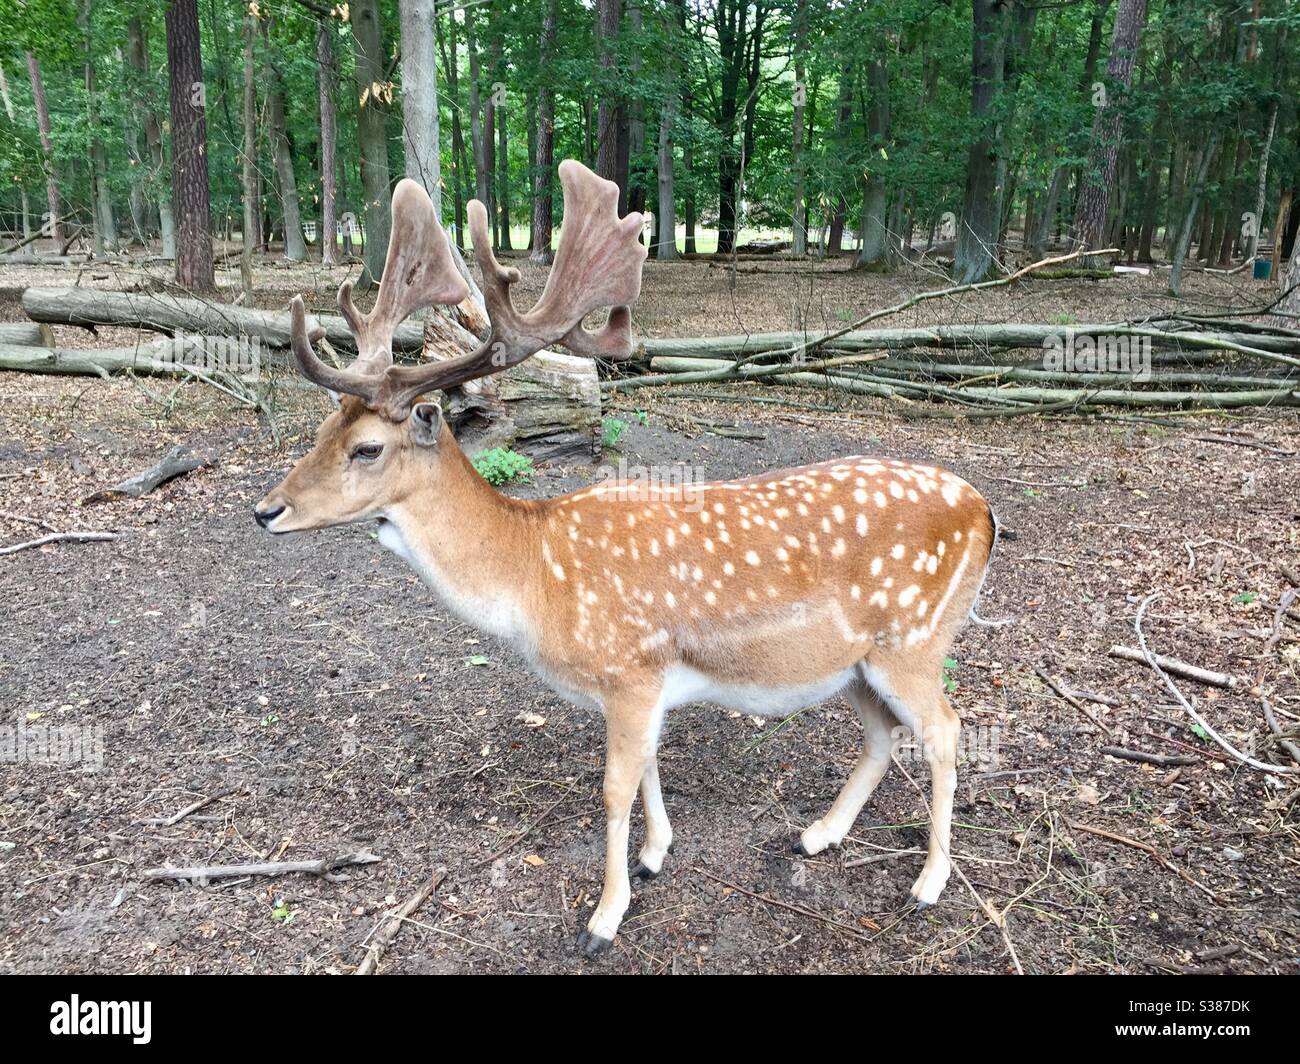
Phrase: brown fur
(862, 569)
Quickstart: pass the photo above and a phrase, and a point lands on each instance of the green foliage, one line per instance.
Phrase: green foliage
(500, 466)
(611, 431)
(1192, 80)
(949, 684)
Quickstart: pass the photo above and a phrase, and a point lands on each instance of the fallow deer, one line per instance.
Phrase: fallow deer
(765, 594)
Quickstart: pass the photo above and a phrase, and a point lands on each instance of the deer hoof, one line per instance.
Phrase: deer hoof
(590, 945)
(640, 871)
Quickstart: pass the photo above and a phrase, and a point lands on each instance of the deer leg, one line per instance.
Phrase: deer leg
(658, 832)
(915, 696)
(631, 732)
(877, 740)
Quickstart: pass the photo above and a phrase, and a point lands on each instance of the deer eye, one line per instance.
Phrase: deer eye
(367, 452)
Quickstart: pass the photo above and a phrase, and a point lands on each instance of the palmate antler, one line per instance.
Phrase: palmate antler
(598, 264)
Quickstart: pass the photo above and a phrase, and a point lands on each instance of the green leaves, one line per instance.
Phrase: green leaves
(500, 466)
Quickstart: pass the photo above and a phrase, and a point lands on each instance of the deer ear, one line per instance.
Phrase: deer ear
(426, 424)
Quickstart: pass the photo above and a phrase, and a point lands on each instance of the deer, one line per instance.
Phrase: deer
(764, 595)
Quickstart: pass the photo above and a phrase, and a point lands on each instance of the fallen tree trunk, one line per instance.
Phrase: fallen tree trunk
(26, 334)
(548, 406)
(907, 370)
(186, 357)
(166, 313)
(173, 464)
(962, 337)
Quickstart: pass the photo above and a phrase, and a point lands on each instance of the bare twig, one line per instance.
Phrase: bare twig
(385, 935)
(1155, 662)
(1047, 679)
(1162, 760)
(322, 867)
(1178, 668)
(60, 537)
(1146, 848)
(194, 807)
(812, 914)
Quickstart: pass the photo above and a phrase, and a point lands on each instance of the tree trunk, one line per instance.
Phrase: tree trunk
(105, 225)
(973, 258)
(460, 167)
(137, 64)
(608, 13)
(190, 191)
(482, 175)
(252, 224)
(798, 164)
(503, 146)
(1206, 157)
(420, 99)
(636, 182)
(54, 225)
(372, 135)
(328, 141)
(1098, 175)
(544, 163)
(843, 115)
(1261, 186)
(874, 250)
(295, 248)
(9, 111)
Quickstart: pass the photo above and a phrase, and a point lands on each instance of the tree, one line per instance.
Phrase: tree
(295, 248)
(981, 222)
(420, 99)
(1098, 177)
(328, 140)
(543, 197)
(373, 92)
(54, 226)
(798, 164)
(190, 192)
(608, 14)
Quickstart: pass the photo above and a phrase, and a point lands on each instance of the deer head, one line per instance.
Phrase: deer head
(381, 434)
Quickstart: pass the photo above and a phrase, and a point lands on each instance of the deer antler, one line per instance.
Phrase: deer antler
(598, 264)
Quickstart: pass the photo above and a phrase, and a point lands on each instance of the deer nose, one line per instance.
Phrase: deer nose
(265, 517)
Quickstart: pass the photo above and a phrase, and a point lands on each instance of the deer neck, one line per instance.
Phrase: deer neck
(467, 541)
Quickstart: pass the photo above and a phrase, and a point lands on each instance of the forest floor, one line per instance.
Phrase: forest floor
(327, 703)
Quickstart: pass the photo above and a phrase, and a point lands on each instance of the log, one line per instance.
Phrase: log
(955, 337)
(44, 260)
(173, 464)
(160, 358)
(26, 334)
(1178, 668)
(548, 406)
(906, 370)
(166, 313)
(323, 867)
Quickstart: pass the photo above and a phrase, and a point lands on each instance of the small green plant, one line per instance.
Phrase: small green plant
(612, 430)
(500, 466)
(845, 315)
(1246, 598)
(949, 684)
(1200, 733)
(1064, 318)
(282, 912)
(477, 660)
(1032, 493)
(643, 417)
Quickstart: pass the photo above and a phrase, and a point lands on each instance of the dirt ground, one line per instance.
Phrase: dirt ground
(327, 703)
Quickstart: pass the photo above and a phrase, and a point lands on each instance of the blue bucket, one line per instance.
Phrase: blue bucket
(1263, 269)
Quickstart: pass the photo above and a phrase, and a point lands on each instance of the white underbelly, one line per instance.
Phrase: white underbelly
(682, 684)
